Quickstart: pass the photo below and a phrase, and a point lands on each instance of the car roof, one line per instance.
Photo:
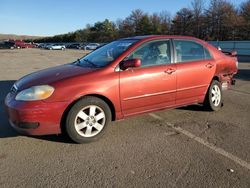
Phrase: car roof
(146, 37)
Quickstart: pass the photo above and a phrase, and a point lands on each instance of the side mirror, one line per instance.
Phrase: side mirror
(130, 64)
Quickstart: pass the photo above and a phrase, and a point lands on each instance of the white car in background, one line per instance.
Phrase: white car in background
(92, 46)
(56, 47)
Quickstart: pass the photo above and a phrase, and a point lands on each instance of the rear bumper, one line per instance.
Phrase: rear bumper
(35, 118)
(227, 81)
(233, 82)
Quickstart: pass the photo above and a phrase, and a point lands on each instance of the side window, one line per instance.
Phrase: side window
(207, 54)
(190, 51)
(152, 53)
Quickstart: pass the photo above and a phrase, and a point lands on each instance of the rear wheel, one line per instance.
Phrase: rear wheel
(87, 119)
(213, 100)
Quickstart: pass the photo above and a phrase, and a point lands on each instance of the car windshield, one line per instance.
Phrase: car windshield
(106, 54)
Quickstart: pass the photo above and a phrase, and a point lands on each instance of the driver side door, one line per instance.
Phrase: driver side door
(151, 86)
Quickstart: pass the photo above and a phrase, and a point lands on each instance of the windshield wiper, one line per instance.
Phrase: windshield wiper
(78, 63)
(90, 62)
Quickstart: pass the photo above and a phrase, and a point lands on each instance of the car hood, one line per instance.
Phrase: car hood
(50, 75)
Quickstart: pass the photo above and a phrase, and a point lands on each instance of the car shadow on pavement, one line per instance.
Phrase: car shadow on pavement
(5, 129)
(195, 107)
(243, 74)
(61, 138)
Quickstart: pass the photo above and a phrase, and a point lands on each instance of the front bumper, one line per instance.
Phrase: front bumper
(35, 117)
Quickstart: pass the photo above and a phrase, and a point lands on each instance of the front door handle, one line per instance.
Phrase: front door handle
(169, 71)
(209, 65)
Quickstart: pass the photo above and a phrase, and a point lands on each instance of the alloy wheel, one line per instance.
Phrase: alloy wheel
(216, 95)
(90, 121)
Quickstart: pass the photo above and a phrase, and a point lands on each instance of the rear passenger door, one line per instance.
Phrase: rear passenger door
(195, 69)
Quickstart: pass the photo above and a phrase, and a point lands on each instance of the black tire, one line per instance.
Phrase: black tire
(209, 102)
(71, 119)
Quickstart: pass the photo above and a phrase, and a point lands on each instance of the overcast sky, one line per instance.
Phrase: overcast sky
(50, 17)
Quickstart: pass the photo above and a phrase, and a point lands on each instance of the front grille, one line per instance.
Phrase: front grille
(13, 89)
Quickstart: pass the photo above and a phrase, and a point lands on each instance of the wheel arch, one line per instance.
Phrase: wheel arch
(216, 78)
(108, 101)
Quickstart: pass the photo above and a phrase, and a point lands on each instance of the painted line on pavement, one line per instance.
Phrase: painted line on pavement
(218, 150)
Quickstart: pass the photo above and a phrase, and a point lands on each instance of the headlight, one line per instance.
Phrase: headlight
(35, 93)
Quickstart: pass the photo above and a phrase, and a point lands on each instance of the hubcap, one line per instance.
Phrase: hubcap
(216, 95)
(90, 121)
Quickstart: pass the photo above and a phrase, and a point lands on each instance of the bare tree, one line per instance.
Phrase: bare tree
(182, 22)
(198, 17)
(221, 20)
(244, 20)
(165, 20)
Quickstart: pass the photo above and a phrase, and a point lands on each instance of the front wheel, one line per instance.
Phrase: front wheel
(87, 119)
(213, 100)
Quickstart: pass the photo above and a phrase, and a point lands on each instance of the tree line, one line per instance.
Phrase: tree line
(219, 20)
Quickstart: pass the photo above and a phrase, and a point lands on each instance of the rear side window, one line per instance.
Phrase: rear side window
(207, 54)
(187, 51)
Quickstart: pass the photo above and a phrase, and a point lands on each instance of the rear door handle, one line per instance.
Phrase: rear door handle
(169, 71)
(209, 65)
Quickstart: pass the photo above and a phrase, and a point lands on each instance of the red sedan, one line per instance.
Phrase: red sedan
(126, 77)
(22, 44)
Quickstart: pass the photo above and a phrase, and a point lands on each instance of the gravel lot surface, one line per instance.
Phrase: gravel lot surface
(185, 147)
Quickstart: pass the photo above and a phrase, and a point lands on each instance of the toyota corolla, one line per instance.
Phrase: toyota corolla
(126, 77)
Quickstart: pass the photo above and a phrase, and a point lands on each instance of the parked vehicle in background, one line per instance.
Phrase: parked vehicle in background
(124, 78)
(35, 45)
(73, 46)
(45, 45)
(22, 44)
(41, 45)
(67, 45)
(92, 46)
(56, 47)
(101, 45)
(7, 45)
(82, 46)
